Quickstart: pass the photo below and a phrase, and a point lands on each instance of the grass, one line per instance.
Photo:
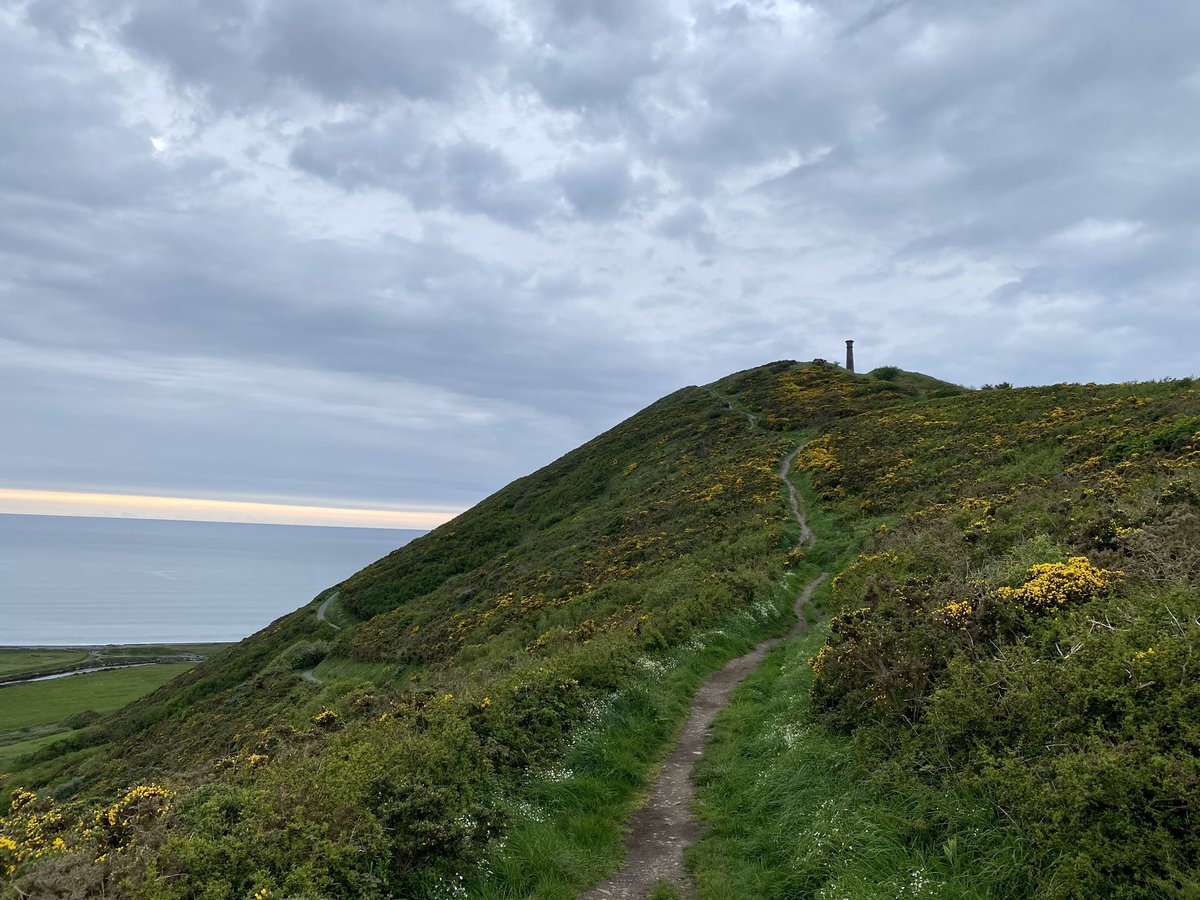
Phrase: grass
(792, 815)
(16, 661)
(339, 668)
(22, 660)
(48, 702)
(10, 753)
(567, 825)
(335, 612)
(140, 651)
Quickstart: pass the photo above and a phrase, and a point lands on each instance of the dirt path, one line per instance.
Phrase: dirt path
(323, 608)
(807, 538)
(661, 830)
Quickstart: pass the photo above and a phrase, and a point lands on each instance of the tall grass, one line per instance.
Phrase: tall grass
(567, 823)
(793, 813)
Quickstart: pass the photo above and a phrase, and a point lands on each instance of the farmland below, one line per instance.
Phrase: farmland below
(43, 700)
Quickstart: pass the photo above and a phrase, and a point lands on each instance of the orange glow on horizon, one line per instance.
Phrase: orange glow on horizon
(196, 509)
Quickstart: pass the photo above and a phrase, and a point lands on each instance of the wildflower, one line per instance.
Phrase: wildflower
(1051, 586)
(956, 613)
(9, 855)
(326, 718)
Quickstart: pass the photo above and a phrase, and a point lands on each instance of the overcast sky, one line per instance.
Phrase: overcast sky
(396, 254)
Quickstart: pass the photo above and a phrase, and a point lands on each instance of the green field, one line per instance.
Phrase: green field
(46, 702)
(19, 660)
(9, 753)
(35, 714)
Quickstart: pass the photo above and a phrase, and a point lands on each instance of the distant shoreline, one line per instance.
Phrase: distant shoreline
(92, 648)
(26, 666)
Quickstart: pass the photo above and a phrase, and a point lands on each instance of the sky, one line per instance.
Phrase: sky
(382, 258)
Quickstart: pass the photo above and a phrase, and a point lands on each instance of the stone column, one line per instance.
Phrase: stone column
(849, 356)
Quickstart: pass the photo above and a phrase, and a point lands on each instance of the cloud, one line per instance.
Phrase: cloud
(420, 50)
(246, 53)
(203, 509)
(589, 55)
(598, 186)
(406, 252)
(690, 222)
(462, 175)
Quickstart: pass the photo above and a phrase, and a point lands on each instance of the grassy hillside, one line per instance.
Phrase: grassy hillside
(1015, 640)
(468, 659)
(1013, 656)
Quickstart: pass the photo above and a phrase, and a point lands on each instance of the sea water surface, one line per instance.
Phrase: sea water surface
(82, 581)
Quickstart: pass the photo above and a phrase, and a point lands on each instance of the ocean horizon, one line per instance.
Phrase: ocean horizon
(68, 580)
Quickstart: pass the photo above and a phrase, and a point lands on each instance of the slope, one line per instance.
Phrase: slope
(467, 660)
(1017, 635)
(1013, 654)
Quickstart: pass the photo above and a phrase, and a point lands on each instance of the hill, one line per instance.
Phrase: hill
(1013, 626)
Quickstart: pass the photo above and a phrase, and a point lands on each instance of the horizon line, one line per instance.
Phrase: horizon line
(95, 504)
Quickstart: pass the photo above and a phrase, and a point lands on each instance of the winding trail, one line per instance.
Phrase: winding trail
(323, 608)
(661, 830)
(310, 674)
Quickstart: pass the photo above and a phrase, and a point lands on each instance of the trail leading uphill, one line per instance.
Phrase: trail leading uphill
(661, 830)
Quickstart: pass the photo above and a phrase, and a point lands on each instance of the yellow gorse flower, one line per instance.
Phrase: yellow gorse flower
(956, 613)
(1051, 586)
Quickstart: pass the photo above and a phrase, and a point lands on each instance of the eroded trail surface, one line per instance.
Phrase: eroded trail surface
(661, 830)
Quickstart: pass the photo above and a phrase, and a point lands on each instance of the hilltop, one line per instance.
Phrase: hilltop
(1006, 664)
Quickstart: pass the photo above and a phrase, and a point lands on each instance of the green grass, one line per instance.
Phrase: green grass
(20, 660)
(335, 613)
(339, 668)
(141, 651)
(9, 753)
(48, 702)
(792, 815)
(51, 660)
(567, 825)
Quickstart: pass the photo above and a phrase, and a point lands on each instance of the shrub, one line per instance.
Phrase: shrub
(1051, 586)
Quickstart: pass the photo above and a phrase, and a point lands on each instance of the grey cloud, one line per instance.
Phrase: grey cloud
(690, 222)
(620, 16)
(599, 186)
(241, 54)
(590, 55)
(345, 50)
(693, 188)
(597, 72)
(464, 175)
(61, 141)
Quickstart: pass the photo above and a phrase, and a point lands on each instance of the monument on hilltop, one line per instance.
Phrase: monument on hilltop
(849, 356)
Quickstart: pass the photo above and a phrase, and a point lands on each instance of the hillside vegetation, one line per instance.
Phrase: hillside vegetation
(1017, 633)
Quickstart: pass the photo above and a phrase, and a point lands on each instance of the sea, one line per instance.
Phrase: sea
(67, 581)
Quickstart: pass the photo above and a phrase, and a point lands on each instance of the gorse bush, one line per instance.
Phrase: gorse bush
(1051, 586)
(1024, 621)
